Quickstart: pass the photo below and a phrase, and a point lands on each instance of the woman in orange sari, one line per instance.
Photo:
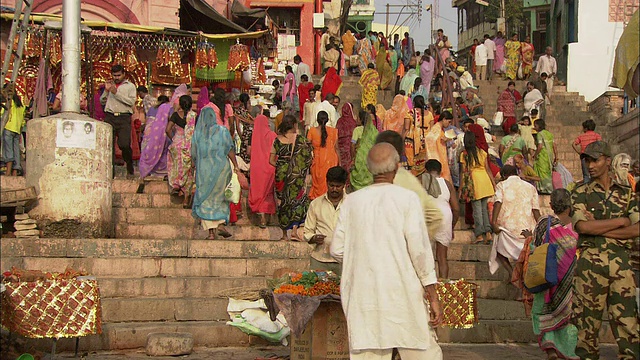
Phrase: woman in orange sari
(527, 49)
(435, 143)
(325, 154)
(397, 118)
(415, 137)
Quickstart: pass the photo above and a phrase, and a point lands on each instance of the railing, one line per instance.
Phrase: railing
(446, 84)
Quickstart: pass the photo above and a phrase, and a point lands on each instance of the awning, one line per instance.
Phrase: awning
(197, 15)
(239, 10)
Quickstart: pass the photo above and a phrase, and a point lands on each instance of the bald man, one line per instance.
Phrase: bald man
(391, 233)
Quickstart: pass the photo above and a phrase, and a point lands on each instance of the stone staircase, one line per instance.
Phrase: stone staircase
(564, 117)
(352, 92)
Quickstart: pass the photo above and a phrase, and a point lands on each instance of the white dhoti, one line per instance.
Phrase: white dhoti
(506, 244)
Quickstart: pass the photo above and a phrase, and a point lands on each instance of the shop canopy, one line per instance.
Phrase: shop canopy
(239, 10)
(102, 25)
(197, 15)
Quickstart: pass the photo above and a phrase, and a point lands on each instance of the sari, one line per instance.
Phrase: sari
(292, 166)
(203, 99)
(551, 312)
(179, 160)
(210, 145)
(513, 145)
(393, 57)
(499, 56)
(408, 81)
(240, 112)
(384, 69)
(507, 102)
(530, 99)
(360, 175)
(331, 84)
(381, 114)
(436, 148)
(153, 156)
(262, 175)
(527, 58)
(324, 158)
(395, 116)
(543, 164)
(346, 124)
(348, 41)
(427, 69)
(414, 140)
(365, 50)
(512, 59)
(370, 81)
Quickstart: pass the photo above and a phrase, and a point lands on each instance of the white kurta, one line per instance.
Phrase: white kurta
(381, 239)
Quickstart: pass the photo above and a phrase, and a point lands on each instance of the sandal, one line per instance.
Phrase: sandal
(224, 233)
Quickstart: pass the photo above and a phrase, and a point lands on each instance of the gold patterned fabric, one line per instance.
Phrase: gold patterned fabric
(52, 308)
(459, 303)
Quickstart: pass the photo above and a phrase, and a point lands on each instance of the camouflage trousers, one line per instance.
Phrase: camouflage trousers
(604, 277)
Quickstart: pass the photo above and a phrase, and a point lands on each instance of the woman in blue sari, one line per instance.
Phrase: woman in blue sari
(211, 150)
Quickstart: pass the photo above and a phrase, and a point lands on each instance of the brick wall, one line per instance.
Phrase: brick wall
(607, 107)
(621, 132)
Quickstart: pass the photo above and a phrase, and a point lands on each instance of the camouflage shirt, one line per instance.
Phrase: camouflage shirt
(618, 202)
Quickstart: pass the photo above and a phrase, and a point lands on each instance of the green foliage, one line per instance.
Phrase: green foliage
(514, 13)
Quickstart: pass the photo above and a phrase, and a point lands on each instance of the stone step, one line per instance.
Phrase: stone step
(141, 248)
(12, 182)
(133, 335)
(116, 310)
(167, 231)
(190, 287)
(475, 271)
(500, 331)
(159, 267)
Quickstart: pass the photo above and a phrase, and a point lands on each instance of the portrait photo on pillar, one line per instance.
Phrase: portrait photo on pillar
(75, 134)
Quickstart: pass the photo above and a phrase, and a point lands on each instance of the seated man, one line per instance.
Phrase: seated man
(321, 220)
(474, 103)
(515, 209)
(526, 171)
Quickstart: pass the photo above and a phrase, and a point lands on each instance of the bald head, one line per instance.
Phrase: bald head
(382, 159)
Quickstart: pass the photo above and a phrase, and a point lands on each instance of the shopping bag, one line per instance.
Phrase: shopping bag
(556, 180)
(565, 175)
(541, 273)
(498, 117)
(233, 189)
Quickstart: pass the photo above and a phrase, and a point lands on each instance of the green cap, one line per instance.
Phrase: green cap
(596, 149)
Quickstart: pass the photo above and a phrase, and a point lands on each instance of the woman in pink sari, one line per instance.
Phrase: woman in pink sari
(346, 124)
(203, 99)
(499, 59)
(153, 156)
(262, 176)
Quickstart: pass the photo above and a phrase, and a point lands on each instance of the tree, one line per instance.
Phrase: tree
(514, 13)
(344, 15)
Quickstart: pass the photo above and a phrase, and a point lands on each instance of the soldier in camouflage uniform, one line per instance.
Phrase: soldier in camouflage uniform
(605, 216)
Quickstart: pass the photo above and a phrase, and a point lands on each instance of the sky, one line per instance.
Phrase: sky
(420, 31)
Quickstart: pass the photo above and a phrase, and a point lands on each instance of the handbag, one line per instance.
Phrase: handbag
(498, 117)
(233, 189)
(541, 273)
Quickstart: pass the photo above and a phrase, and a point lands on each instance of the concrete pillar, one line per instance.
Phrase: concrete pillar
(69, 163)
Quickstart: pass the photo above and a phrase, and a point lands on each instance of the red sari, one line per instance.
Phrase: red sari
(303, 95)
(262, 174)
(346, 124)
(332, 83)
(507, 103)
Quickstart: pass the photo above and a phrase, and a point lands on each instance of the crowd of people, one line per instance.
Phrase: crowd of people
(368, 185)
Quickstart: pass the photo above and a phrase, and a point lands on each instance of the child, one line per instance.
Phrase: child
(587, 137)
(303, 92)
(526, 131)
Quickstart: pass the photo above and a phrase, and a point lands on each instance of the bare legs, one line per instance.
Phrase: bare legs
(441, 257)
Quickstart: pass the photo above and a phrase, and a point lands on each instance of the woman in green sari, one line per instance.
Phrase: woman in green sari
(383, 68)
(512, 145)
(545, 157)
(551, 311)
(360, 175)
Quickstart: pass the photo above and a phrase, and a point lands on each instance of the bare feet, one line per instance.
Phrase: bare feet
(213, 234)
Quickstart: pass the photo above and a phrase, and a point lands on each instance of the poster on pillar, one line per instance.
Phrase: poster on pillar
(75, 134)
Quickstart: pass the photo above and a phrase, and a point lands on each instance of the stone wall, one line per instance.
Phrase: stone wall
(620, 131)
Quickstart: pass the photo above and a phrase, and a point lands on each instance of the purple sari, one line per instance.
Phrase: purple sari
(499, 60)
(203, 99)
(153, 157)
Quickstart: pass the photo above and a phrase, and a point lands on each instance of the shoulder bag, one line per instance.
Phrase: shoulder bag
(541, 273)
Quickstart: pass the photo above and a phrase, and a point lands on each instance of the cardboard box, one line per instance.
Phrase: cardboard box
(325, 337)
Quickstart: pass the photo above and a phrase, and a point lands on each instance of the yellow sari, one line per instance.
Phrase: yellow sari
(512, 58)
(370, 81)
(383, 67)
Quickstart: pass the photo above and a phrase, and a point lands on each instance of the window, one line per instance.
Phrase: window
(541, 19)
(287, 20)
(362, 2)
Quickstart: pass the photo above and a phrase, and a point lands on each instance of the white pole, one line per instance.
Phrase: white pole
(71, 56)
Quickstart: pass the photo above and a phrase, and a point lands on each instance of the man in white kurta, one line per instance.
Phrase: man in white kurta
(515, 208)
(387, 268)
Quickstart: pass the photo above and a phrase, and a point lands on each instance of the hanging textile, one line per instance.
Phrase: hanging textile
(238, 58)
(206, 60)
